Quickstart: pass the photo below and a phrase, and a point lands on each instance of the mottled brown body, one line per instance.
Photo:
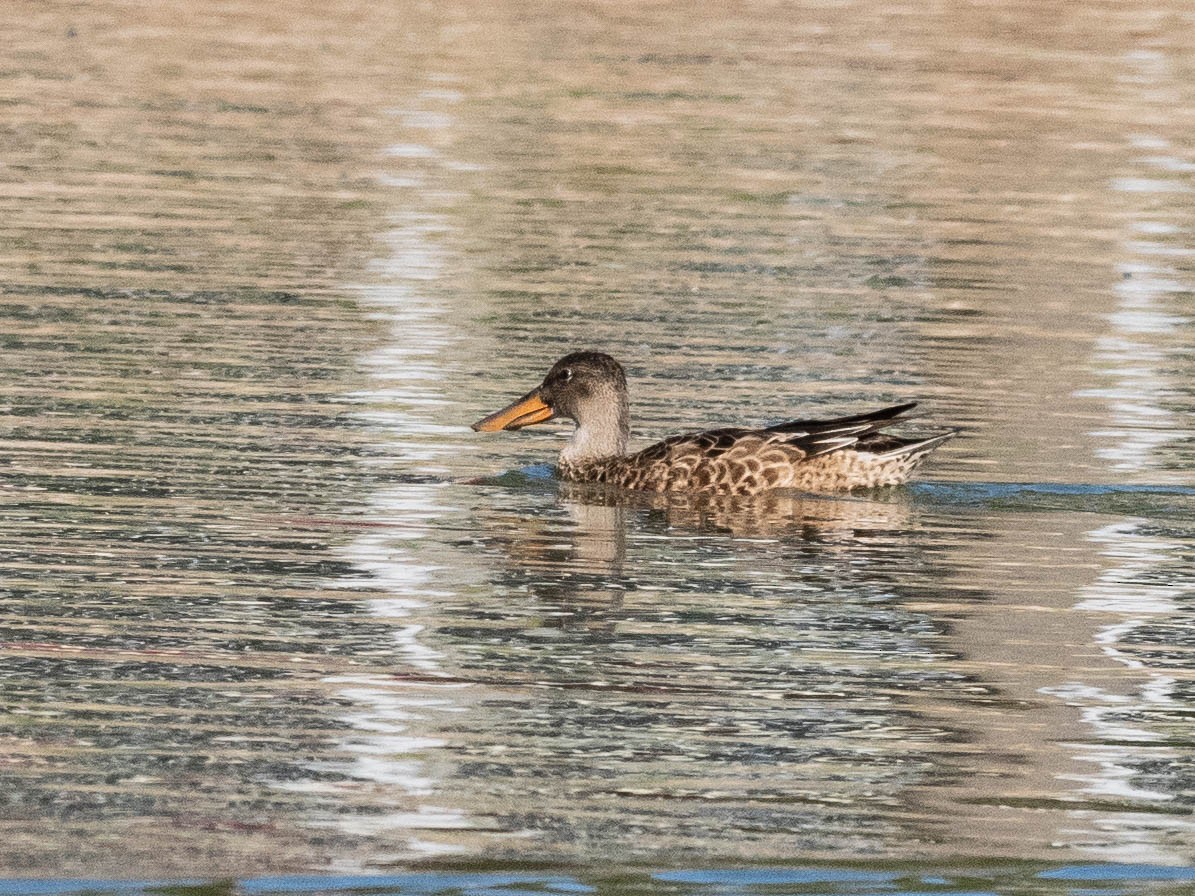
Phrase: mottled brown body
(835, 455)
(748, 462)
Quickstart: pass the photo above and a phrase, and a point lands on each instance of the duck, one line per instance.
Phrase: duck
(815, 456)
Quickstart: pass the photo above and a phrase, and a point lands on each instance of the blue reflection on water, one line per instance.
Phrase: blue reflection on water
(773, 876)
(1162, 500)
(843, 881)
(1120, 872)
(981, 491)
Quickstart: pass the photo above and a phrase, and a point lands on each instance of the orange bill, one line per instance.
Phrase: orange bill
(523, 412)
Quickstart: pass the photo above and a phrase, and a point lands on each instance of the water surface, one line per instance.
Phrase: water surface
(269, 607)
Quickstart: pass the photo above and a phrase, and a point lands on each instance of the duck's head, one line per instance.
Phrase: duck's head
(584, 386)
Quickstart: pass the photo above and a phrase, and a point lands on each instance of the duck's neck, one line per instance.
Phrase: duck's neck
(602, 432)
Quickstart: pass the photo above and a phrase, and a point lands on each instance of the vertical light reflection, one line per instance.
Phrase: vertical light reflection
(1133, 362)
(1134, 589)
(391, 793)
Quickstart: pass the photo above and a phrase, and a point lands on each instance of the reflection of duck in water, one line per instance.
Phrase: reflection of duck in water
(778, 515)
(810, 455)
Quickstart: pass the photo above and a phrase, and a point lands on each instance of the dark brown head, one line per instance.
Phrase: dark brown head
(581, 386)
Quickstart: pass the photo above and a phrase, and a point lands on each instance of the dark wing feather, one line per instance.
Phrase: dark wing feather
(883, 416)
(816, 437)
(812, 437)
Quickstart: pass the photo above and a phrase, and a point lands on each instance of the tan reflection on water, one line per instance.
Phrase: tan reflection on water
(1028, 640)
(1003, 763)
(1002, 256)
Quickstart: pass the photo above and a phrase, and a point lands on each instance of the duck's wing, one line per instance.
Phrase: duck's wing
(820, 436)
(811, 437)
(883, 417)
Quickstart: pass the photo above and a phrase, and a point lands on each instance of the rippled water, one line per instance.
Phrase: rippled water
(269, 607)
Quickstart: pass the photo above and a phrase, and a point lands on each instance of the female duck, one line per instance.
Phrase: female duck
(810, 455)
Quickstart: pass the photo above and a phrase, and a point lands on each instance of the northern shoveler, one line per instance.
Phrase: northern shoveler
(810, 455)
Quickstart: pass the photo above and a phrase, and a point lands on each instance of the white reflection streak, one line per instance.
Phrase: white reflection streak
(1135, 362)
(1127, 590)
(388, 759)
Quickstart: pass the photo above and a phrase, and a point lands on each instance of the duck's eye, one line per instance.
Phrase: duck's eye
(566, 374)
